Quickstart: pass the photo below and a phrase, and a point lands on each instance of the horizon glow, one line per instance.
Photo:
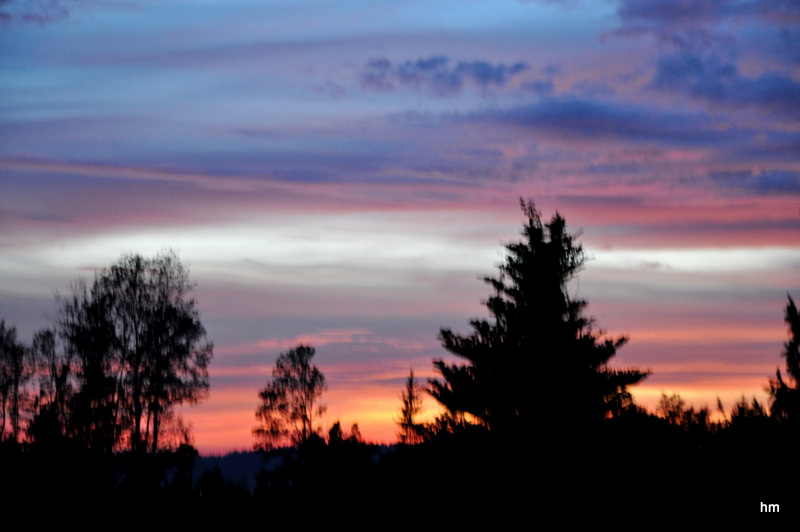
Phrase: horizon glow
(344, 175)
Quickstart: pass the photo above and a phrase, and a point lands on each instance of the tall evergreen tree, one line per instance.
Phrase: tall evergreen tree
(410, 431)
(785, 396)
(538, 361)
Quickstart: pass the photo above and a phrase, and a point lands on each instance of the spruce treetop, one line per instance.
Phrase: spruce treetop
(538, 358)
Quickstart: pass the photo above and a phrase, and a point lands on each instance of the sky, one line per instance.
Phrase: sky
(342, 174)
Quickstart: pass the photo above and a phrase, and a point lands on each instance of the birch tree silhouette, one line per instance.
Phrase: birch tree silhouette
(291, 401)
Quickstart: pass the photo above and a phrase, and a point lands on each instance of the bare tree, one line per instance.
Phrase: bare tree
(141, 349)
(15, 371)
(51, 407)
(291, 401)
(160, 338)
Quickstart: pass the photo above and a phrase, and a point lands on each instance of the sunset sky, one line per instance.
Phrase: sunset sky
(340, 174)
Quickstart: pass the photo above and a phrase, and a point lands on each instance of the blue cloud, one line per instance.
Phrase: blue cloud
(711, 79)
(674, 12)
(40, 12)
(437, 75)
(700, 24)
(696, 12)
(575, 119)
(780, 182)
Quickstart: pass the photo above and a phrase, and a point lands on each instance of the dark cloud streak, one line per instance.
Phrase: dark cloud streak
(41, 12)
(698, 12)
(575, 119)
(436, 75)
(713, 80)
(777, 182)
(700, 25)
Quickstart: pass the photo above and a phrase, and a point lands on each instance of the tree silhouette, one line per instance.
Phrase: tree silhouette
(743, 410)
(14, 373)
(338, 438)
(291, 401)
(538, 360)
(51, 407)
(671, 408)
(54, 368)
(785, 396)
(16, 369)
(96, 416)
(410, 430)
(160, 340)
(140, 349)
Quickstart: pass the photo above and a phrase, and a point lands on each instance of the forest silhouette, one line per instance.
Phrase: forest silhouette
(533, 413)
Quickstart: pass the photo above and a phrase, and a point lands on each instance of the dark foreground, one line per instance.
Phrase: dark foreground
(605, 474)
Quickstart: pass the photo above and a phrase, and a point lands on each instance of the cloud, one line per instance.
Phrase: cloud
(540, 87)
(674, 12)
(689, 72)
(686, 24)
(779, 183)
(663, 13)
(597, 200)
(437, 75)
(324, 337)
(577, 119)
(698, 24)
(45, 12)
(708, 78)
(40, 12)
(775, 182)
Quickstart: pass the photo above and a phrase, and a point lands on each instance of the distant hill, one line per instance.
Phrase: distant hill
(237, 468)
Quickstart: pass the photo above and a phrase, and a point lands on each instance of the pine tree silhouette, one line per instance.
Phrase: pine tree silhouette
(538, 361)
(785, 395)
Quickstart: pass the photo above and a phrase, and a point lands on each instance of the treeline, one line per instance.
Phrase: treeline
(533, 400)
(534, 409)
(105, 379)
(540, 363)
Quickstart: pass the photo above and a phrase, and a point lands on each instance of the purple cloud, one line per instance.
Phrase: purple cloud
(693, 12)
(697, 25)
(766, 183)
(436, 75)
(541, 87)
(713, 80)
(40, 12)
(574, 119)
(674, 12)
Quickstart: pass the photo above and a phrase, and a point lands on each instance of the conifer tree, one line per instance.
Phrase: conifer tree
(538, 361)
(785, 396)
(410, 431)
